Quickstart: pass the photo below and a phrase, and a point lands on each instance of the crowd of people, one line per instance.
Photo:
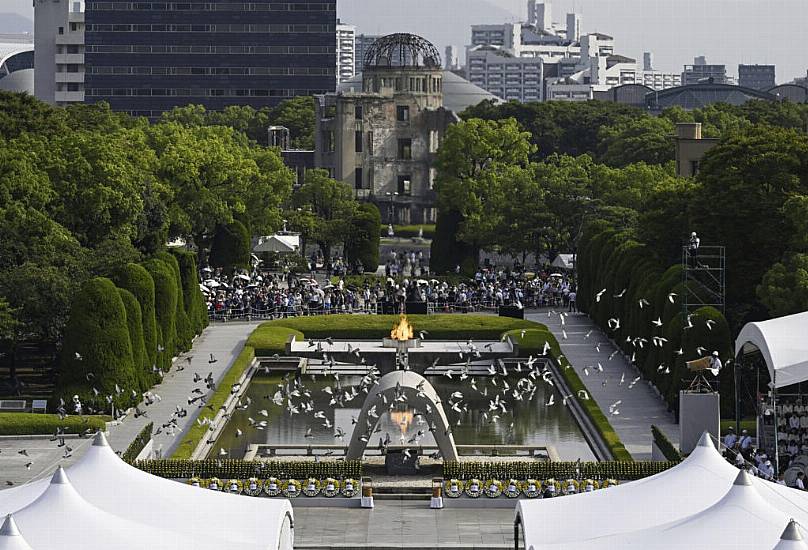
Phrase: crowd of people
(265, 294)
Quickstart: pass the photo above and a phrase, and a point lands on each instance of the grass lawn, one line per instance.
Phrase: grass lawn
(748, 424)
(13, 423)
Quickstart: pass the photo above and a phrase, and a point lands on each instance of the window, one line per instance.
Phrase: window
(358, 112)
(61, 30)
(370, 142)
(434, 141)
(432, 173)
(358, 182)
(405, 149)
(403, 113)
(694, 167)
(358, 141)
(74, 27)
(72, 48)
(405, 185)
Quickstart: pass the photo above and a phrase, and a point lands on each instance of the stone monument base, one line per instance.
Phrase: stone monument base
(398, 464)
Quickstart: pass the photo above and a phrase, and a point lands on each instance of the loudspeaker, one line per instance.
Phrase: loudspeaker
(512, 311)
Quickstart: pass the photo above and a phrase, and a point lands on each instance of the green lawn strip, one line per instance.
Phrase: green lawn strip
(439, 327)
(408, 231)
(13, 423)
(197, 432)
(532, 343)
(669, 450)
(748, 424)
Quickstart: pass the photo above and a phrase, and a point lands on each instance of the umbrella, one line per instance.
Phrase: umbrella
(259, 278)
(329, 285)
(556, 275)
(212, 283)
(204, 289)
(422, 282)
(242, 276)
(434, 281)
(207, 270)
(390, 280)
(252, 285)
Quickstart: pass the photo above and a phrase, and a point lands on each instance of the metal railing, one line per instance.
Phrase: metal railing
(263, 450)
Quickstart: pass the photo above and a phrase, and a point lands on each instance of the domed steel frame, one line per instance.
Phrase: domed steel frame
(403, 50)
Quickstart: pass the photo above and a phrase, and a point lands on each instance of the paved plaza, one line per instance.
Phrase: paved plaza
(640, 406)
(403, 524)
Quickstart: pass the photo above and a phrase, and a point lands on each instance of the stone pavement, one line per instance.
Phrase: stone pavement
(42, 454)
(403, 524)
(225, 341)
(640, 407)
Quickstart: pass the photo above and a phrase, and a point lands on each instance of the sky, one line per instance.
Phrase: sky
(726, 31)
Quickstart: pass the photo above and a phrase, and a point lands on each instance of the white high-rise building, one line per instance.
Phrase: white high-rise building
(573, 27)
(59, 51)
(540, 15)
(346, 52)
(501, 73)
(452, 58)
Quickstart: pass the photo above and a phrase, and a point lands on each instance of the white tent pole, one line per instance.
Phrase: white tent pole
(776, 441)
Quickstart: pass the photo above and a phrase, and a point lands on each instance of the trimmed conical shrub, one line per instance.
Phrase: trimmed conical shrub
(134, 321)
(138, 281)
(165, 307)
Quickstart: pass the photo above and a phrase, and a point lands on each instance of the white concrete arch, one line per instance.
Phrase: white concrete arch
(420, 395)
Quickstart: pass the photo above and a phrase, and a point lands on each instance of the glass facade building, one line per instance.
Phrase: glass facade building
(148, 57)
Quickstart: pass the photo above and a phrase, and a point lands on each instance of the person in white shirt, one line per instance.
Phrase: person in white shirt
(804, 421)
(794, 422)
(800, 482)
(730, 440)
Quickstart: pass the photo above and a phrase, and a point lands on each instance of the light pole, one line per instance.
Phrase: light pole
(392, 211)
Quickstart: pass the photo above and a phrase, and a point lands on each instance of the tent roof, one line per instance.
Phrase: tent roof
(10, 536)
(783, 344)
(564, 261)
(109, 485)
(660, 510)
(278, 243)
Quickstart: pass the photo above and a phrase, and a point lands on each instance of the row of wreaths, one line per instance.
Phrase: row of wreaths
(273, 487)
(514, 488)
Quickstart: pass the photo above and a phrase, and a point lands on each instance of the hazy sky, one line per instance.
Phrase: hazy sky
(726, 31)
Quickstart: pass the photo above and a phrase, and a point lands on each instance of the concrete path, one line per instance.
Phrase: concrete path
(225, 341)
(640, 406)
(403, 524)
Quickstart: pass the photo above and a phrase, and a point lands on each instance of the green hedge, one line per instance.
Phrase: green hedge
(267, 340)
(136, 279)
(138, 444)
(362, 243)
(134, 320)
(97, 351)
(185, 332)
(12, 423)
(669, 451)
(504, 470)
(230, 248)
(411, 231)
(197, 432)
(245, 469)
(533, 344)
(165, 299)
(192, 296)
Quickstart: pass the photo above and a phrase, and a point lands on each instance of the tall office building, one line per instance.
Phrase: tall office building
(346, 51)
(363, 44)
(59, 51)
(573, 27)
(148, 57)
(540, 15)
(648, 61)
(700, 71)
(452, 60)
(758, 77)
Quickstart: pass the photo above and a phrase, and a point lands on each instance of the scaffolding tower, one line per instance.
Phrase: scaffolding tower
(704, 278)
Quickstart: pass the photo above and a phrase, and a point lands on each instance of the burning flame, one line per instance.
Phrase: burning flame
(402, 419)
(403, 330)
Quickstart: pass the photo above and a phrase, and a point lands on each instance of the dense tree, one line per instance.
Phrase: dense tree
(646, 139)
(165, 301)
(134, 278)
(230, 248)
(362, 242)
(784, 288)
(298, 115)
(332, 203)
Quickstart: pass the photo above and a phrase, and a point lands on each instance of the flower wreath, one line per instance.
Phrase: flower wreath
(493, 488)
(312, 487)
(587, 483)
(513, 489)
(552, 483)
(214, 484)
(531, 488)
(234, 486)
(453, 488)
(290, 488)
(474, 487)
(273, 487)
(195, 482)
(571, 487)
(330, 487)
(253, 487)
(349, 487)
(609, 482)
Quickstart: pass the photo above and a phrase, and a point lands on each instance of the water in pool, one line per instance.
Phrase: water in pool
(526, 422)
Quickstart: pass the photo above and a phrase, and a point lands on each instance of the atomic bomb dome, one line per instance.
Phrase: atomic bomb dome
(402, 50)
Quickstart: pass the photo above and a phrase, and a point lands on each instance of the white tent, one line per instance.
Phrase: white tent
(106, 482)
(651, 505)
(564, 261)
(783, 342)
(10, 536)
(278, 243)
(791, 539)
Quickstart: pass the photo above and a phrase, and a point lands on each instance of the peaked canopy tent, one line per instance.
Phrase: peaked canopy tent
(278, 243)
(783, 343)
(652, 504)
(106, 483)
(564, 261)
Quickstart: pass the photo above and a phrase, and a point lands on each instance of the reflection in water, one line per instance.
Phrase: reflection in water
(524, 422)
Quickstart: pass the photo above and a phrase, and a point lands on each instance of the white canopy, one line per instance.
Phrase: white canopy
(648, 512)
(564, 261)
(195, 518)
(783, 342)
(278, 243)
(10, 536)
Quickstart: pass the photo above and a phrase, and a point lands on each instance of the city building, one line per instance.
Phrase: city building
(452, 60)
(149, 57)
(59, 51)
(690, 148)
(17, 66)
(499, 72)
(382, 139)
(758, 77)
(659, 80)
(346, 51)
(700, 71)
(697, 96)
(363, 43)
